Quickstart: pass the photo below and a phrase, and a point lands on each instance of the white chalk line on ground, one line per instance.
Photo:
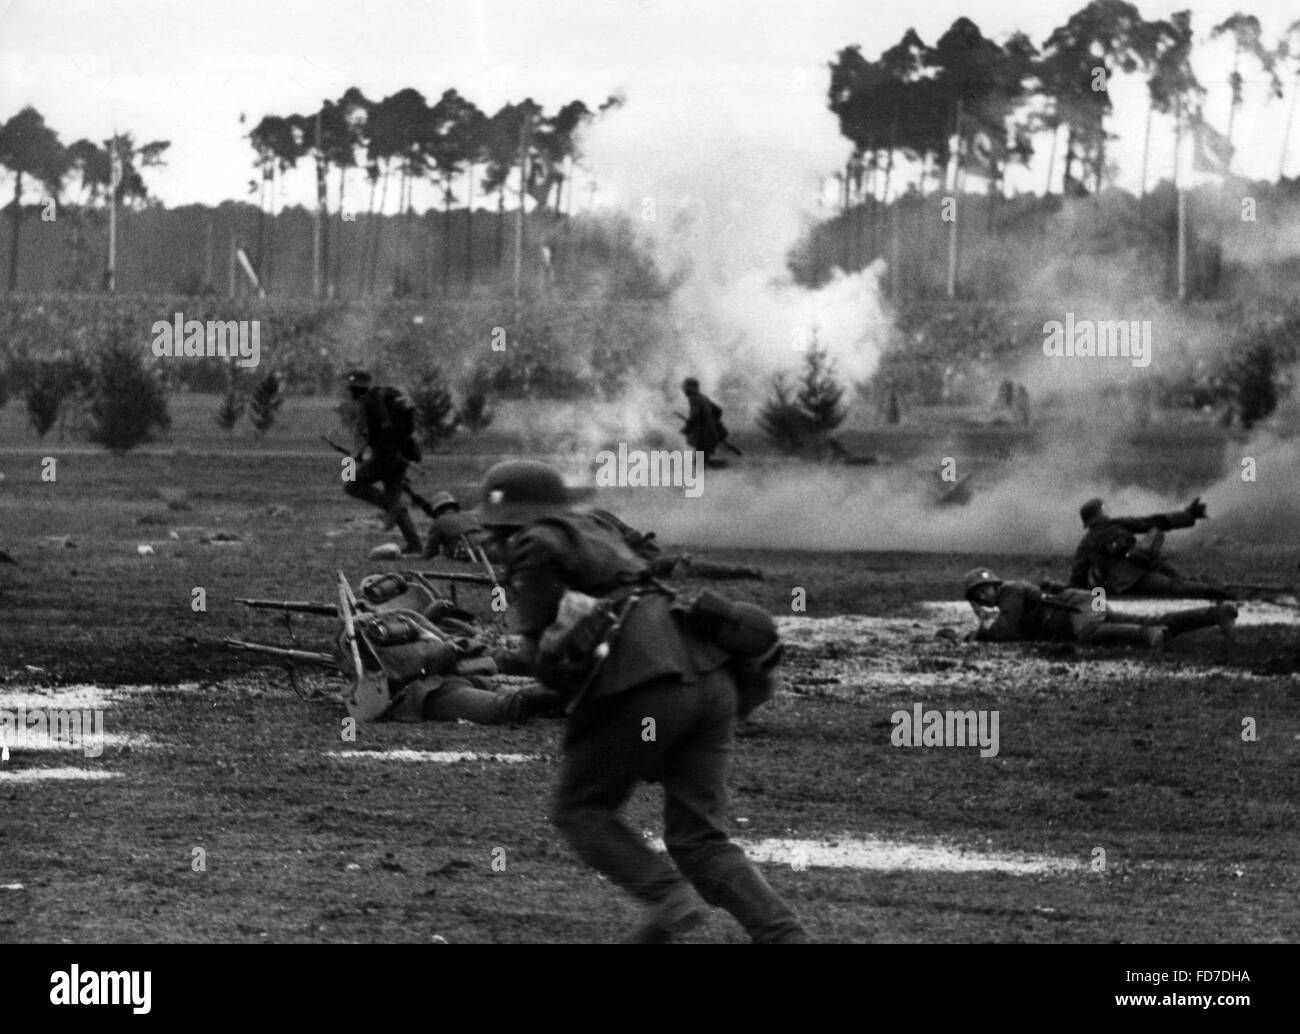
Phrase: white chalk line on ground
(435, 757)
(33, 775)
(876, 854)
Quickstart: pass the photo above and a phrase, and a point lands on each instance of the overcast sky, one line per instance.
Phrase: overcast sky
(185, 70)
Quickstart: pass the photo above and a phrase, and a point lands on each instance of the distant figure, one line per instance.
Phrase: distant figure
(703, 429)
(893, 412)
(384, 447)
(1021, 404)
(1110, 557)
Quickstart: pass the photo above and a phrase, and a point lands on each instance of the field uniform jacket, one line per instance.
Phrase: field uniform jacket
(448, 532)
(1103, 559)
(374, 427)
(1025, 612)
(703, 428)
(583, 553)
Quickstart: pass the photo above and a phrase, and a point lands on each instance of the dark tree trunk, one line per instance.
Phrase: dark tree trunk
(13, 241)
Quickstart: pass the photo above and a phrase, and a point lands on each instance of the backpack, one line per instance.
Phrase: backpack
(401, 411)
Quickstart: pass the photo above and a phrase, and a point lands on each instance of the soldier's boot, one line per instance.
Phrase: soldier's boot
(675, 914)
(535, 702)
(402, 518)
(1180, 621)
(1116, 634)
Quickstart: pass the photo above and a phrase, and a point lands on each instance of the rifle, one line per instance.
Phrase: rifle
(296, 606)
(420, 502)
(451, 576)
(301, 656)
(724, 443)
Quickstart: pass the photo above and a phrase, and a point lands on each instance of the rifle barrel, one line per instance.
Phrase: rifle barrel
(297, 606)
(305, 656)
(452, 576)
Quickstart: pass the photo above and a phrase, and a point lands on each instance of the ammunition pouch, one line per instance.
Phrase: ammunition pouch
(749, 635)
(741, 629)
(406, 645)
(567, 651)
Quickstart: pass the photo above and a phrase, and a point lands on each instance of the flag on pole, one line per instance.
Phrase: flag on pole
(1211, 150)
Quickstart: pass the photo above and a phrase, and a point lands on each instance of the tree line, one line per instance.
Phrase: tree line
(401, 141)
(984, 103)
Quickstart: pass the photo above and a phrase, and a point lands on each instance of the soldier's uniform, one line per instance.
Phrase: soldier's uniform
(453, 532)
(703, 429)
(1110, 557)
(656, 669)
(672, 565)
(390, 450)
(1024, 611)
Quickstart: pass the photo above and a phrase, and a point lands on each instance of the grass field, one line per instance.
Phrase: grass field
(307, 837)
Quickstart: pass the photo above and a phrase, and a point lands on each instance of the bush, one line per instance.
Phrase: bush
(436, 419)
(265, 404)
(782, 420)
(50, 385)
(799, 419)
(129, 403)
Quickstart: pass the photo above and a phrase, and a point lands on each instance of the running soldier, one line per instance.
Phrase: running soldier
(1009, 611)
(651, 671)
(384, 446)
(703, 429)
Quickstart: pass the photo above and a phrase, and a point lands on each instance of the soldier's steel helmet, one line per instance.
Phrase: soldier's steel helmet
(442, 501)
(518, 491)
(980, 576)
(1090, 509)
(358, 379)
(690, 384)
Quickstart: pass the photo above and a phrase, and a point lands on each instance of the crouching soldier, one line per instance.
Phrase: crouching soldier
(1008, 611)
(1111, 557)
(453, 534)
(650, 699)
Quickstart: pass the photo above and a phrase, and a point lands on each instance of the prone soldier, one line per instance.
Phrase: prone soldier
(1008, 611)
(1110, 557)
(384, 447)
(599, 630)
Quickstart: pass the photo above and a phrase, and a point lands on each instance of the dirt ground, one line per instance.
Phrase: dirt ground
(1124, 804)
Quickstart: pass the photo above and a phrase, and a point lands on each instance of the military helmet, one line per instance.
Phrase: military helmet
(980, 576)
(1089, 510)
(442, 501)
(518, 491)
(690, 385)
(358, 380)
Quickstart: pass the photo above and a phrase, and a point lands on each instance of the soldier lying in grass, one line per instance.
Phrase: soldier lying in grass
(1008, 611)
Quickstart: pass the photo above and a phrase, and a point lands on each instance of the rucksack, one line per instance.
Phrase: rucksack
(401, 411)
